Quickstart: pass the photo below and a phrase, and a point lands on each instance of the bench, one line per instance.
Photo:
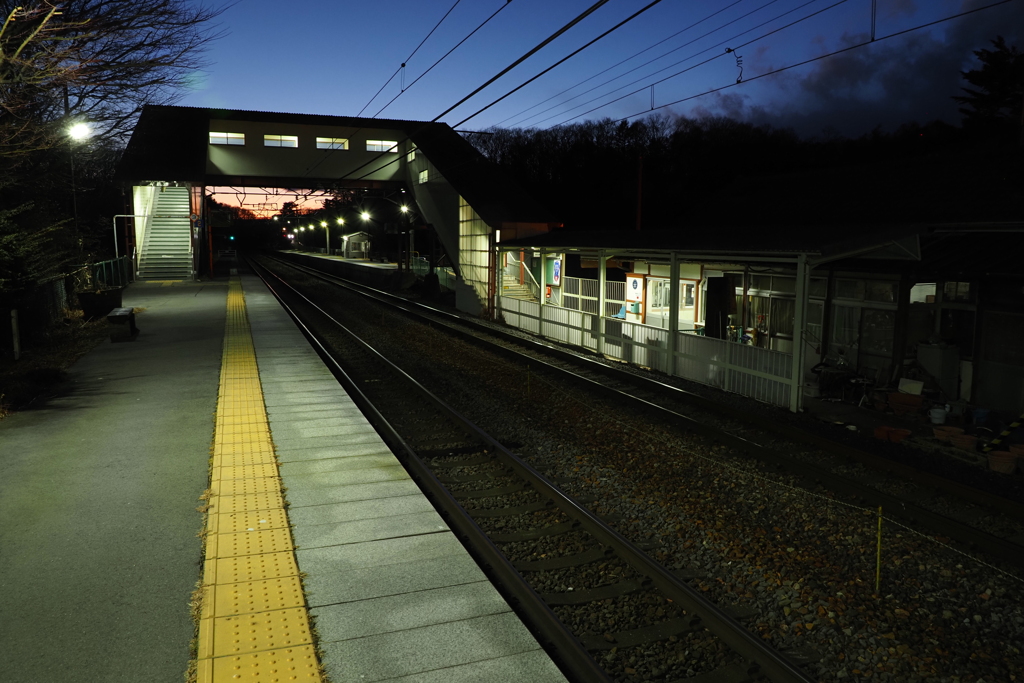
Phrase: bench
(122, 321)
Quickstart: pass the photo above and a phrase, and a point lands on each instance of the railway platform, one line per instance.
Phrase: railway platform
(311, 525)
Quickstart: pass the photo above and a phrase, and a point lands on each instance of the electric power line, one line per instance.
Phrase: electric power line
(593, 8)
(706, 61)
(830, 54)
(561, 61)
(620, 63)
(397, 71)
(445, 55)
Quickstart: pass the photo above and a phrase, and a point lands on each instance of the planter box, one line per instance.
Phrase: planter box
(98, 304)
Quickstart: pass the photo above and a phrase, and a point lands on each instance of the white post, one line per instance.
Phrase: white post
(673, 313)
(500, 276)
(602, 281)
(543, 278)
(796, 392)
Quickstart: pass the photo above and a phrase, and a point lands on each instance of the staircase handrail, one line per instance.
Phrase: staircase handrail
(533, 285)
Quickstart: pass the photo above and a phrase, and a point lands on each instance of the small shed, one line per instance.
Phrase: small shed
(355, 245)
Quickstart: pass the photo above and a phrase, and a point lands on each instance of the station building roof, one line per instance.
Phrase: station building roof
(929, 250)
(817, 243)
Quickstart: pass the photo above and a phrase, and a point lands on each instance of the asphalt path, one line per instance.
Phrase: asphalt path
(98, 490)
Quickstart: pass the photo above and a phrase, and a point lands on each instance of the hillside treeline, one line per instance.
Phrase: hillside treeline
(719, 171)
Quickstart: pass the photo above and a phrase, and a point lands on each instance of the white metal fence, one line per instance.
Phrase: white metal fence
(761, 374)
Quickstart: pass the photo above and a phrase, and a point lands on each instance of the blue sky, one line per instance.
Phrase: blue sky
(326, 57)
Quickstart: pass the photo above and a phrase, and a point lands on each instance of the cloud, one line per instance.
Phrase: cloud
(905, 79)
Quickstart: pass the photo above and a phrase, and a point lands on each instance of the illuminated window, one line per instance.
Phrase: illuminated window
(424, 176)
(227, 138)
(411, 156)
(332, 143)
(382, 146)
(280, 141)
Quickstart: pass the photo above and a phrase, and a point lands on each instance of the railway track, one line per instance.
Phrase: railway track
(977, 521)
(682, 483)
(556, 561)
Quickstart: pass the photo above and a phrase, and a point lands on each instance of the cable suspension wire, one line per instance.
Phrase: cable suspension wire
(620, 63)
(830, 54)
(593, 8)
(586, 13)
(559, 62)
(405, 88)
(397, 71)
(445, 55)
(706, 61)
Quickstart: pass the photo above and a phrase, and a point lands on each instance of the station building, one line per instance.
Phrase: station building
(769, 313)
(780, 314)
(177, 154)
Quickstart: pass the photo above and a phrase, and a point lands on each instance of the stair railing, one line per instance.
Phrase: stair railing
(514, 267)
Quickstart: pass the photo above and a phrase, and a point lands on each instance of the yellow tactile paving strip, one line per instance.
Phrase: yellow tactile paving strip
(254, 624)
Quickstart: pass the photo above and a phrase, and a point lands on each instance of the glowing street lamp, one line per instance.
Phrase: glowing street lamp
(365, 215)
(323, 224)
(80, 131)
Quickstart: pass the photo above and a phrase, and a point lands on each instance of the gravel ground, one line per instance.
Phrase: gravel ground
(805, 561)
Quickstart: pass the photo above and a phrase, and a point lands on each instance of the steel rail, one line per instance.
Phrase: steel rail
(764, 659)
(557, 640)
(968, 536)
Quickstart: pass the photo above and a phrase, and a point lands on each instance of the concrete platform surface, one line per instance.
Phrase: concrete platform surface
(395, 596)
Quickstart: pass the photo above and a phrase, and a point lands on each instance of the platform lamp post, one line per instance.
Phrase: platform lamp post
(365, 216)
(77, 132)
(327, 229)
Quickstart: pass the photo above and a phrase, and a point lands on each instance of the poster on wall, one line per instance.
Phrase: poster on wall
(553, 272)
(634, 287)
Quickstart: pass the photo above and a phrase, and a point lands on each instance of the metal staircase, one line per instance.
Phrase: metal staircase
(166, 250)
(517, 291)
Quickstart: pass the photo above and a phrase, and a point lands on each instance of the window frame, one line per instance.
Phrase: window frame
(269, 138)
(382, 146)
(227, 139)
(332, 143)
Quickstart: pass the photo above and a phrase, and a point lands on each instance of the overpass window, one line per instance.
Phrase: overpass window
(411, 156)
(280, 141)
(382, 146)
(424, 176)
(332, 143)
(217, 138)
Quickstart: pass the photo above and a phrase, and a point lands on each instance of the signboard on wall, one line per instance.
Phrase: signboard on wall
(634, 287)
(553, 274)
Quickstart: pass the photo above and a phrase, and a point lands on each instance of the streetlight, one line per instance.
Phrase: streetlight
(78, 132)
(323, 224)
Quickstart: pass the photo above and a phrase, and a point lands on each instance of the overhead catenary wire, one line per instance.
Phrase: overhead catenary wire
(696, 54)
(633, 56)
(824, 56)
(444, 56)
(411, 54)
(587, 12)
(561, 61)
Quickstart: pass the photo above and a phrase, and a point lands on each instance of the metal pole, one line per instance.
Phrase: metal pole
(673, 314)
(602, 283)
(800, 316)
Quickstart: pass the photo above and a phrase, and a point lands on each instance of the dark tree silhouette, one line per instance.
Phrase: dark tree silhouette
(997, 99)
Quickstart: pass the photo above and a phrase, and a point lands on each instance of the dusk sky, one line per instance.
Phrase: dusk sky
(324, 57)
